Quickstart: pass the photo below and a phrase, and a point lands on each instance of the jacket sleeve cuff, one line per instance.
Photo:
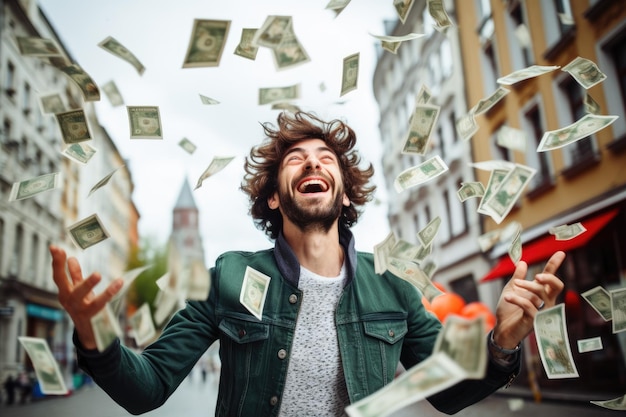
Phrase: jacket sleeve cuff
(94, 362)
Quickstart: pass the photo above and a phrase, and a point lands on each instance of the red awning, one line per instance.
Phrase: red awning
(542, 248)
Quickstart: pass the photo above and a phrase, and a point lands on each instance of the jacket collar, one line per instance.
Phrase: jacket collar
(289, 266)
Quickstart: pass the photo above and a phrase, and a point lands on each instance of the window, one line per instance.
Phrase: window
(34, 258)
(537, 160)
(26, 99)
(564, 14)
(447, 216)
(452, 123)
(1, 246)
(617, 52)
(466, 288)
(447, 61)
(9, 82)
(523, 49)
(16, 259)
(499, 152)
(583, 148)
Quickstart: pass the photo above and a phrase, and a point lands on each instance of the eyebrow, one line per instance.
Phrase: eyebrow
(302, 150)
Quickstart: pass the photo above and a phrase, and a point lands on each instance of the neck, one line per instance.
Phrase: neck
(318, 251)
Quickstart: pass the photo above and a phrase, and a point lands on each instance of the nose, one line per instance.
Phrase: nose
(312, 163)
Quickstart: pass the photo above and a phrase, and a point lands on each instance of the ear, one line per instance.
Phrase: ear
(272, 201)
(346, 200)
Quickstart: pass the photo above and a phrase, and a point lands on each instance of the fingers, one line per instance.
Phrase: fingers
(58, 268)
(100, 301)
(520, 270)
(554, 263)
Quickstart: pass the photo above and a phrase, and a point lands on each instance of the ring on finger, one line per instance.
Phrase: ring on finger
(540, 306)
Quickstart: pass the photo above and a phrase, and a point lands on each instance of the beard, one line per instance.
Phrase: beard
(310, 218)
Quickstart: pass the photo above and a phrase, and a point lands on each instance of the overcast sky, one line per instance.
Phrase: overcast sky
(158, 32)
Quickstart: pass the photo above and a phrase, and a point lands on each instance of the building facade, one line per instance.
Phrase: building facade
(433, 61)
(584, 181)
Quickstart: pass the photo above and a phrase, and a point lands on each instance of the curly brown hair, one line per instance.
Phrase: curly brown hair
(261, 167)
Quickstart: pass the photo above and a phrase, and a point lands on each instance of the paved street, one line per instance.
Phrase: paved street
(195, 399)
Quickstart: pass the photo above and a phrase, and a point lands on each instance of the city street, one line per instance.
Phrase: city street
(197, 399)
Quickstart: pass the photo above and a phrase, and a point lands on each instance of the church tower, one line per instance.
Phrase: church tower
(185, 226)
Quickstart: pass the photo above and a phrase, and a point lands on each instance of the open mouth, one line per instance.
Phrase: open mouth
(313, 185)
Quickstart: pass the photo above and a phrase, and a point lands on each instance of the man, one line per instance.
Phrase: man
(331, 330)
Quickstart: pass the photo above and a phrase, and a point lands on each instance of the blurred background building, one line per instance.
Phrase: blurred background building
(31, 145)
(583, 182)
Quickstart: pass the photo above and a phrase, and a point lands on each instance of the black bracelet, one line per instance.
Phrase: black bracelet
(501, 349)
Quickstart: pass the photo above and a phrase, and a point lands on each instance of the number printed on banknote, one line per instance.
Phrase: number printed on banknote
(600, 300)
(254, 291)
(49, 376)
(553, 342)
(145, 122)
(208, 38)
(73, 125)
(33, 186)
(88, 232)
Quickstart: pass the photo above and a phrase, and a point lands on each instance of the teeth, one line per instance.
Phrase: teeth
(318, 184)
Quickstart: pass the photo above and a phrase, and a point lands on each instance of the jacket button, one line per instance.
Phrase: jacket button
(274, 400)
(293, 298)
(392, 333)
(282, 354)
(241, 333)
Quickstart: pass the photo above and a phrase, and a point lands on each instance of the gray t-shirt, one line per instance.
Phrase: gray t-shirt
(315, 384)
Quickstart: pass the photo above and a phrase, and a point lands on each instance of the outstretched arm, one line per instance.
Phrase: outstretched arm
(521, 299)
(76, 294)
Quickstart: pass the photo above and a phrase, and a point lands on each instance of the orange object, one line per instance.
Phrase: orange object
(448, 303)
(440, 286)
(476, 309)
(426, 304)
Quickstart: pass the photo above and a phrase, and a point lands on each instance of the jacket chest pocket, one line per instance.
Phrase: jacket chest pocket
(383, 345)
(242, 347)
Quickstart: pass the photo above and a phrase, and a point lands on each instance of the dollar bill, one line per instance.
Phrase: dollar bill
(145, 122)
(511, 138)
(47, 369)
(428, 233)
(401, 38)
(216, 165)
(289, 53)
(37, 47)
(104, 181)
(116, 303)
(429, 267)
(600, 300)
(553, 342)
(420, 174)
(511, 230)
(270, 95)
(618, 309)
(423, 252)
(245, 48)
(437, 10)
(515, 248)
(526, 73)
(142, 325)
(585, 72)
(424, 95)
(403, 7)
(106, 328)
(500, 203)
(493, 164)
(73, 125)
(52, 103)
(580, 129)
(432, 375)
(113, 94)
(113, 46)
(187, 145)
(488, 240)
(208, 38)
(88, 232)
(391, 46)
(414, 275)
(286, 106)
(254, 291)
(83, 81)
(487, 103)
(79, 152)
(466, 126)
(33, 186)
(382, 251)
(271, 33)
(423, 122)
(568, 231)
(470, 190)
(350, 73)
(591, 106)
(403, 250)
(589, 345)
(465, 343)
(166, 304)
(208, 100)
(618, 403)
(337, 6)
(495, 179)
